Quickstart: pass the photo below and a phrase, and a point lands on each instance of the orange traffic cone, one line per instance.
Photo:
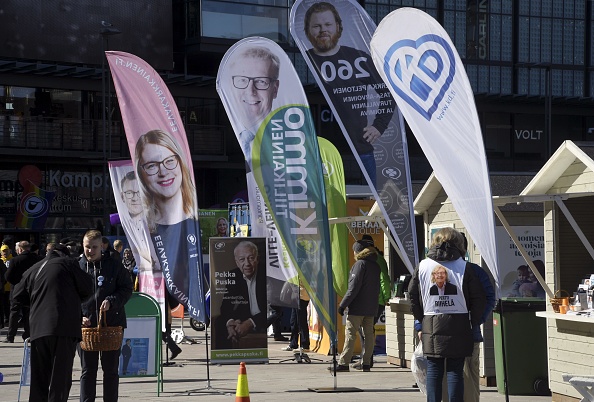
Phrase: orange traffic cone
(243, 392)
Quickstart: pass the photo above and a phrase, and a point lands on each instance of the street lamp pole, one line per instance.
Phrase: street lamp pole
(106, 30)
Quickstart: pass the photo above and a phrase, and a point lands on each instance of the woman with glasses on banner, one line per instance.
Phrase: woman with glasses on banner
(168, 192)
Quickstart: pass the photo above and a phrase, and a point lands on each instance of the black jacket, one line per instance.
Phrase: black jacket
(364, 285)
(116, 287)
(449, 335)
(17, 266)
(55, 296)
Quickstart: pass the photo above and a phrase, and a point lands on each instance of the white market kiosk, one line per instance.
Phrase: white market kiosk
(568, 179)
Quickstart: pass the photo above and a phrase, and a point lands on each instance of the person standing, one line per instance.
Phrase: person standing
(446, 318)
(130, 265)
(15, 269)
(2, 284)
(54, 288)
(299, 325)
(472, 390)
(118, 246)
(361, 301)
(274, 318)
(384, 295)
(112, 289)
(5, 254)
(170, 303)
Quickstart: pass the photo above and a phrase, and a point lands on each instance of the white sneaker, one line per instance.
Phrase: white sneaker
(287, 349)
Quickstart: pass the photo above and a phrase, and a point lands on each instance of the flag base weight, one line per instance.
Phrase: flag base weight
(335, 389)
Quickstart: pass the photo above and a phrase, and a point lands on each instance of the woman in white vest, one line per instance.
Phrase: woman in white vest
(448, 299)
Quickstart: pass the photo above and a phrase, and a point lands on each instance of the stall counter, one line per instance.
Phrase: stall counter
(400, 333)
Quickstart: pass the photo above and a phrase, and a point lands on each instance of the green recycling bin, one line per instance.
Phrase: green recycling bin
(523, 336)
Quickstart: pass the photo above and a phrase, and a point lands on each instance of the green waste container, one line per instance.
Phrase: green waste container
(525, 337)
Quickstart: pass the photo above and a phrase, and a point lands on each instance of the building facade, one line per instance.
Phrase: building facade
(530, 64)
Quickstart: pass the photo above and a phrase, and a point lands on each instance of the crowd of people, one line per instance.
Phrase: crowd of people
(48, 294)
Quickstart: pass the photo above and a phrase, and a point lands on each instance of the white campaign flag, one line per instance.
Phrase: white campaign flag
(419, 63)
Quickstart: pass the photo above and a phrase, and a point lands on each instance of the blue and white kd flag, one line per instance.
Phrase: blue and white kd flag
(419, 63)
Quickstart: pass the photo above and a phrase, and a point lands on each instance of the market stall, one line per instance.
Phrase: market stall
(568, 181)
(433, 204)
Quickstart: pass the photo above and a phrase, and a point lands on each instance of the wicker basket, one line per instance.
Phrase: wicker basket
(559, 299)
(101, 338)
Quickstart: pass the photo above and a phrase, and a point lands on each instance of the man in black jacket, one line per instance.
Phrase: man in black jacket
(113, 288)
(16, 267)
(54, 289)
(361, 300)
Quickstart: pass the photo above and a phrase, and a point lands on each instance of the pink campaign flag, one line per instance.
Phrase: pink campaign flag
(163, 166)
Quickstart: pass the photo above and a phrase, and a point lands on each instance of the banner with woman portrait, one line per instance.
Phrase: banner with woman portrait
(334, 37)
(270, 115)
(163, 166)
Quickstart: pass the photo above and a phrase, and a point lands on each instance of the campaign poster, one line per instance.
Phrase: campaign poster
(138, 355)
(238, 299)
(517, 279)
(213, 223)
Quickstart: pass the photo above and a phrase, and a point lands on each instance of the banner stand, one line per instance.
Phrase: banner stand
(25, 368)
(209, 389)
(144, 310)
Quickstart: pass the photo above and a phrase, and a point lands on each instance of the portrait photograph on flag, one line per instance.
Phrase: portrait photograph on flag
(333, 37)
(270, 114)
(421, 66)
(130, 210)
(163, 166)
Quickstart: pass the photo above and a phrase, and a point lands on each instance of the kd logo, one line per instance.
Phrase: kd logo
(421, 71)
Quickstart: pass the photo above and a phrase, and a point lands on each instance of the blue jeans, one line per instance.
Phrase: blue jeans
(455, 376)
(368, 161)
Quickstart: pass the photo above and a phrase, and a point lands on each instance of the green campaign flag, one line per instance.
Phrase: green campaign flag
(336, 198)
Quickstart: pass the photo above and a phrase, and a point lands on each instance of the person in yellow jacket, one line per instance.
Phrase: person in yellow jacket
(6, 255)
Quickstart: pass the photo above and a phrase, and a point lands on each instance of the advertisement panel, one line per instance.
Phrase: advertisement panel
(238, 302)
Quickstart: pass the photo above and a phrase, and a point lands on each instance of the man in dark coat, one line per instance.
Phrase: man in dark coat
(244, 307)
(54, 289)
(113, 289)
(15, 268)
(361, 301)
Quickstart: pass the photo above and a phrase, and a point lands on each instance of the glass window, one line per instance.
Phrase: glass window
(523, 39)
(535, 44)
(495, 38)
(506, 79)
(236, 20)
(497, 134)
(472, 72)
(484, 77)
